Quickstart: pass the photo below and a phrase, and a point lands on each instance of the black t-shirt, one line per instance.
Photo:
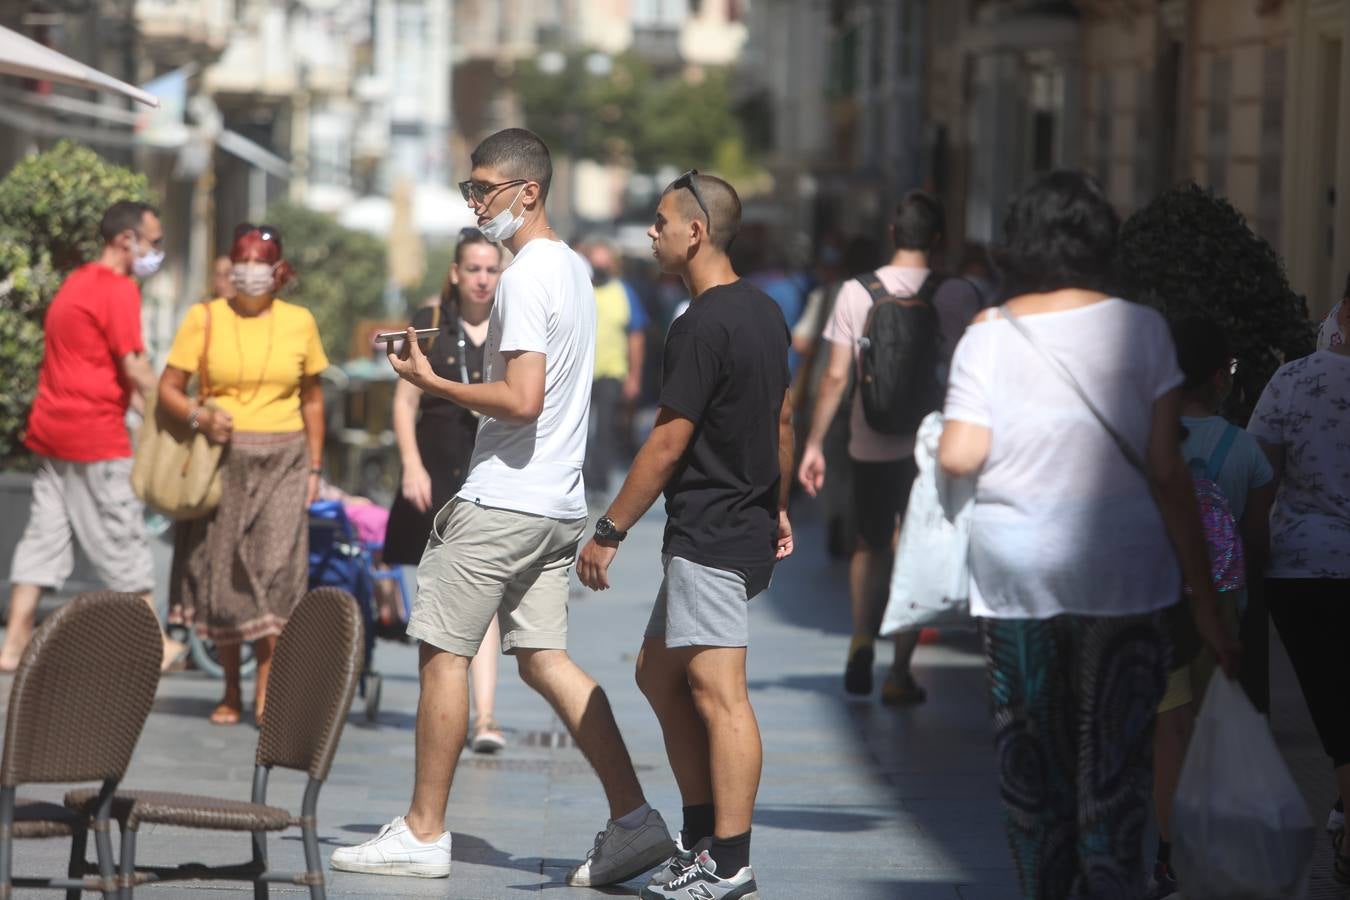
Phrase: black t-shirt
(726, 369)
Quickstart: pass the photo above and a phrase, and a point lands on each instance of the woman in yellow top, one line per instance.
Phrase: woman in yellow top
(238, 572)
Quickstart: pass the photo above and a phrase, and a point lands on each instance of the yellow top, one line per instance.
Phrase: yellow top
(255, 363)
(611, 330)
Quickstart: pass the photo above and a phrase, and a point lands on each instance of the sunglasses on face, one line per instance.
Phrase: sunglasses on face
(266, 232)
(477, 191)
(687, 181)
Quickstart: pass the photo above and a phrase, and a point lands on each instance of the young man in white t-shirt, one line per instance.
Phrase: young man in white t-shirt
(883, 464)
(504, 546)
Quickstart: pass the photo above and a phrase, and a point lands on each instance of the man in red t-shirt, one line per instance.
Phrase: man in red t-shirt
(93, 367)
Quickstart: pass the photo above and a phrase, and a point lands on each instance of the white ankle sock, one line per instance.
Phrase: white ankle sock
(634, 818)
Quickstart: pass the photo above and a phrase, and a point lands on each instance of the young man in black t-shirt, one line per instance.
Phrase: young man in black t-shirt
(721, 451)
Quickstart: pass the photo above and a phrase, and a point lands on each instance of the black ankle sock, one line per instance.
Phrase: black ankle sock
(1165, 853)
(698, 824)
(731, 854)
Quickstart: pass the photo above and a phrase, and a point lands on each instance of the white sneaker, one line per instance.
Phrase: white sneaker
(395, 851)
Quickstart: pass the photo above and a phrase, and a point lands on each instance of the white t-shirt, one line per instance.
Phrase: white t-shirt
(544, 304)
(1306, 410)
(1062, 522)
(956, 302)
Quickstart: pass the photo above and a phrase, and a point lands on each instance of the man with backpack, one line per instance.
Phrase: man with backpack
(897, 327)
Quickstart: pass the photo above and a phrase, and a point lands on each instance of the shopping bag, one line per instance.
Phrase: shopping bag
(930, 584)
(1240, 828)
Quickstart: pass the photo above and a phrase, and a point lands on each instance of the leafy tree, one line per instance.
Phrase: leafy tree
(52, 202)
(632, 114)
(50, 208)
(1190, 252)
(341, 272)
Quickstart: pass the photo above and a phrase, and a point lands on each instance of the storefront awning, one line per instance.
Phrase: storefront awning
(28, 59)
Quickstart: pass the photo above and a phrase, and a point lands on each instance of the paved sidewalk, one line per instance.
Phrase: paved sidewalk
(857, 801)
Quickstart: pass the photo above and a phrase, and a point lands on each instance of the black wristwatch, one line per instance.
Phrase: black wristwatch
(605, 530)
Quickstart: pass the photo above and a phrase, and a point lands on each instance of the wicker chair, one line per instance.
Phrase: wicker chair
(80, 698)
(314, 673)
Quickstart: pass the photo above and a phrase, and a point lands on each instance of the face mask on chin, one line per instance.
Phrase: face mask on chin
(503, 225)
(252, 279)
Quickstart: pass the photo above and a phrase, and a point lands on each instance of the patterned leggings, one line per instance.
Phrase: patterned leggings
(1073, 703)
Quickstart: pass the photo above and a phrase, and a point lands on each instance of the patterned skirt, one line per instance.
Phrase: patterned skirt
(238, 572)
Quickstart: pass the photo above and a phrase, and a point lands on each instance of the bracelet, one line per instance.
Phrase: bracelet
(193, 419)
(316, 470)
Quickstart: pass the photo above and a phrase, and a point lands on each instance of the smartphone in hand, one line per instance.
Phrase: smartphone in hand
(391, 336)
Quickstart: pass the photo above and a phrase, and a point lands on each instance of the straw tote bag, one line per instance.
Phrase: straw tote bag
(177, 470)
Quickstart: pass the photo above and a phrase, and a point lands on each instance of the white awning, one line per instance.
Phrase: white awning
(28, 59)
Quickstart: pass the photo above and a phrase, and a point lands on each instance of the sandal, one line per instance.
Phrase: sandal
(225, 714)
(487, 737)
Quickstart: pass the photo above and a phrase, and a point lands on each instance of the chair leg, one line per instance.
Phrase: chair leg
(127, 865)
(103, 840)
(260, 888)
(79, 847)
(313, 864)
(7, 841)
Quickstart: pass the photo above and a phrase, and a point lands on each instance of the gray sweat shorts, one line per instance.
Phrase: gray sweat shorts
(703, 606)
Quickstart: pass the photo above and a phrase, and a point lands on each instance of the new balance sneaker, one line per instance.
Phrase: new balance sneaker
(700, 882)
(395, 851)
(1163, 885)
(622, 853)
(673, 867)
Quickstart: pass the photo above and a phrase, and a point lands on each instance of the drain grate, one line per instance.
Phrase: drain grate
(536, 765)
(552, 740)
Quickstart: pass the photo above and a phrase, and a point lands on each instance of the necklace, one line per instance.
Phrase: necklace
(267, 357)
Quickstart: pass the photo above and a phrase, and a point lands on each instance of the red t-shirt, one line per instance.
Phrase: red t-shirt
(79, 413)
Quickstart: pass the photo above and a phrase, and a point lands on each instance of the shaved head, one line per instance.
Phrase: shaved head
(724, 207)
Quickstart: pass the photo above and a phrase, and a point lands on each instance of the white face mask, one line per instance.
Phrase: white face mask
(502, 226)
(147, 265)
(252, 279)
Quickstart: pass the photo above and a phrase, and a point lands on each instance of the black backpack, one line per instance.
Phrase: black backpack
(898, 357)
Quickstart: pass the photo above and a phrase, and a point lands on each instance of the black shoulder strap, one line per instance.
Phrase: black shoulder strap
(871, 282)
(928, 290)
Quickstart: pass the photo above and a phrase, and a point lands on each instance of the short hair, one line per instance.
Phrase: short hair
(516, 153)
(724, 207)
(919, 221)
(1202, 349)
(1059, 233)
(124, 215)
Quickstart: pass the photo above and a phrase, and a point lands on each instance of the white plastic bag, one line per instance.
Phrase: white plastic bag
(930, 584)
(1240, 828)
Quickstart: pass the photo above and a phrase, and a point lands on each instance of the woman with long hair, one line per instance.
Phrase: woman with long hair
(436, 438)
(238, 572)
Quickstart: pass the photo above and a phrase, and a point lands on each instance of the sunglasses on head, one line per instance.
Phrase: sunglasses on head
(266, 232)
(470, 233)
(687, 181)
(478, 190)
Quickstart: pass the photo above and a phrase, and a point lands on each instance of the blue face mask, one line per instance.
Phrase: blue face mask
(147, 265)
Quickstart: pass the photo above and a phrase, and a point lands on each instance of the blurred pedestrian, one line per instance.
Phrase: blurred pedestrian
(620, 347)
(882, 464)
(1223, 454)
(222, 285)
(1303, 423)
(93, 368)
(505, 545)
(1072, 558)
(238, 572)
(721, 451)
(436, 437)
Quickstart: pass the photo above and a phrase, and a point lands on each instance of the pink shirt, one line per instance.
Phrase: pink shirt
(957, 301)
